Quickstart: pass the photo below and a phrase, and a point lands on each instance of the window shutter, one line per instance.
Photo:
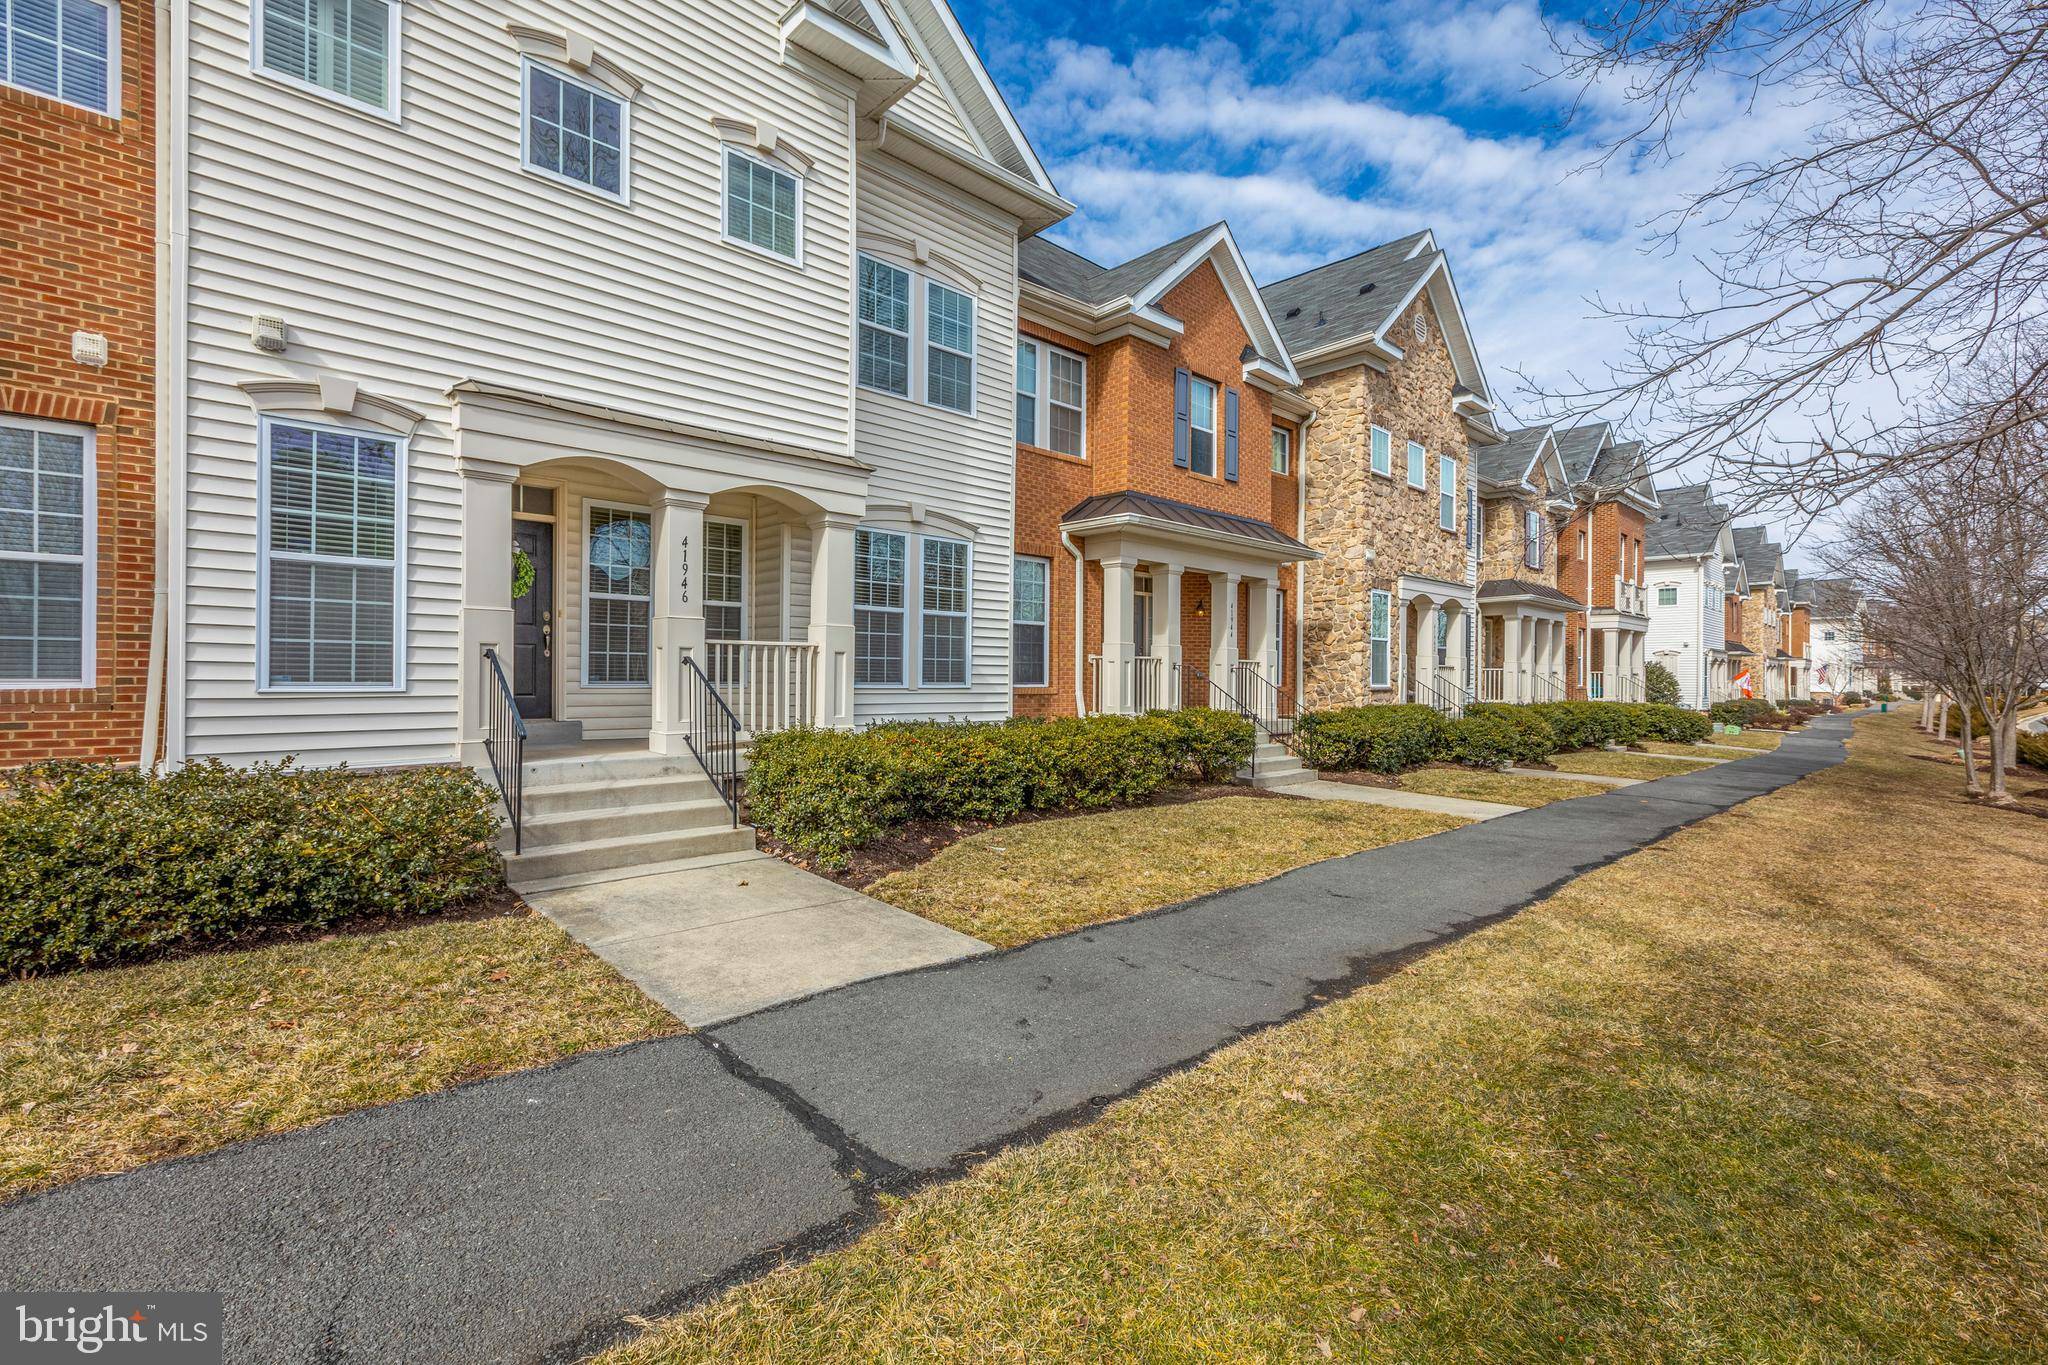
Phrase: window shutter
(1180, 419)
(1230, 435)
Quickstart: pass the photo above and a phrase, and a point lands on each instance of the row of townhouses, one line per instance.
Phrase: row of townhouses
(378, 371)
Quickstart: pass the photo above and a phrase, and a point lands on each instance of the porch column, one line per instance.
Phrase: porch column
(677, 629)
(1119, 633)
(1511, 658)
(1610, 661)
(486, 594)
(1166, 611)
(831, 628)
(1222, 627)
(1258, 627)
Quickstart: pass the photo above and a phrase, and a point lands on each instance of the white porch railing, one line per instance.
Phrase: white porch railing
(1631, 596)
(1614, 687)
(1493, 684)
(1153, 685)
(769, 684)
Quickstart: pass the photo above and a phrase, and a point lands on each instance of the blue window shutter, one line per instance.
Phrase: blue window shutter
(1230, 435)
(1180, 419)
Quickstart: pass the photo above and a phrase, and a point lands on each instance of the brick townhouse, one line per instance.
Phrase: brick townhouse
(1798, 642)
(1157, 496)
(77, 365)
(1400, 401)
(1524, 617)
(1600, 561)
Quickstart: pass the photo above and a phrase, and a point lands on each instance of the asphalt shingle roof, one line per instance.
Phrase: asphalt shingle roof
(1348, 298)
(1074, 275)
(1689, 525)
(1505, 462)
(1832, 597)
(1495, 588)
(1130, 503)
(1761, 560)
(1577, 447)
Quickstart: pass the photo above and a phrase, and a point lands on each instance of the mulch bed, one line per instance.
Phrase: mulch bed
(907, 846)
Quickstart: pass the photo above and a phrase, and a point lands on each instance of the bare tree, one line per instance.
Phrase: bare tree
(1905, 246)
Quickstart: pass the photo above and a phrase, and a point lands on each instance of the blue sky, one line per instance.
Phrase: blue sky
(1321, 127)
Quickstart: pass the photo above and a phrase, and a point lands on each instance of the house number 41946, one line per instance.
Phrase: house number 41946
(683, 567)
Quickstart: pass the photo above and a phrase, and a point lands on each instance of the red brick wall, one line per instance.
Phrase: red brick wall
(1130, 446)
(77, 253)
(1606, 524)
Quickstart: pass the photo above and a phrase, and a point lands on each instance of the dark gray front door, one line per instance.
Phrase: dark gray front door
(533, 624)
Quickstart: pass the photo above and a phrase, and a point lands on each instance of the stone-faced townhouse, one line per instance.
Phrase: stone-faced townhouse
(1157, 503)
(621, 367)
(79, 662)
(1688, 548)
(1762, 620)
(1524, 617)
(1600, 561)
(1388, 364)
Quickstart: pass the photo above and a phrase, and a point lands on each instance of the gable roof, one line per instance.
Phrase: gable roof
(1353, 301)
(1509, 462)
(1762, 562)
(1689, 526)
(1579, 447)
(1131, 292)
(1833, 597)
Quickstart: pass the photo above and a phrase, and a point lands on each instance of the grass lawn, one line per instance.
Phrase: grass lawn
(1028, 881)
(1773, 1089)
(1608, 763)
(1750, 739)
(104, 1070)
(1509, 789)
(1665, 746)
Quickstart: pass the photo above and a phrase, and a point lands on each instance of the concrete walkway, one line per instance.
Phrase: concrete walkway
(527, 1217)
(739, 933)
(1322, 789)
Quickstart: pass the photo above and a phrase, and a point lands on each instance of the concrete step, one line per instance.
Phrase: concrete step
(554, 732)
(1283, 777)
(557, 798)
(576, 769)
(539, 866)
(620, 874)
(560, 829)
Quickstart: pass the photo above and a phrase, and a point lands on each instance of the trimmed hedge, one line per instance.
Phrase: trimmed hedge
(1586, 724)
(2033, 751)
(827, 792)
(1743, 711)
(1496, 736)
(1380, 739)
(100, 865)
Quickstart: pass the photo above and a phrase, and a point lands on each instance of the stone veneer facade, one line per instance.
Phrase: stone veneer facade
(1502, 537)
(1353, 513)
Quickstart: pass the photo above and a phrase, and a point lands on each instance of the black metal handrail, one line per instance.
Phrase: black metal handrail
(713, 733)
(1217, 690)
(504, 727)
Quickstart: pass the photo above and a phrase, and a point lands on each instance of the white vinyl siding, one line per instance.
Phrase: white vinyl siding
(345, 49)
(943, 624)
(46, 554)
(1380, 627)
(618, 595)
(1382, 452)
(576, 133)
(879, 565)
(1030, 618)
(333, 576)
(1447, 493)
(1201, 426)
(1418, 465)
(69, 50)
(763, 206)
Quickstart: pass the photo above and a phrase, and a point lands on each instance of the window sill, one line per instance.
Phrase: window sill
(388, 113)
(795, 262)
(1024, 448)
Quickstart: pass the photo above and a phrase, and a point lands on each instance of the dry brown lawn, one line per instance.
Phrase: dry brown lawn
(1610, 763)
(1509, 789)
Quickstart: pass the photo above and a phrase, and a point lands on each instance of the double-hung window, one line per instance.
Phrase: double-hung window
(1418, 465)
(1202, 426)
(878, 576)
(1447, 492)
(1381, 637)
(1282, 451)
(1532, 537)
(1052, 398)
(69, 50)
(884, 326)
(1028, 391)
(343, 48)
(1443, 638)
(949, 347)
(46, 546)
(942, 623)
(1382, 452)
(333, 574)
(619, 595)
(1667, 595)
(1030, 612)
(575, 132)
(763, 206)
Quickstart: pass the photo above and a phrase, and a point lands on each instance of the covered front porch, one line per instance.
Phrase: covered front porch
(1616, 649)
(1436, 643)
(1524, 628)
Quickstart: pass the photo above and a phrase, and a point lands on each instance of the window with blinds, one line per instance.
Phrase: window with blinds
(949, 347)
(46, 542)
(762, 205)
(66, 49)
(884, 326)
(1031, 660)
(341, 48)
(943, 623)
(618, 598)
(878, 581)
(332, 564)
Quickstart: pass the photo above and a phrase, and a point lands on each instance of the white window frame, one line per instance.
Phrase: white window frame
(1447, 489)
(1045, 625)
(910, 584)
(1039, 399)
(746, 578)
(909, 335)
(527, 66)
(401, 562)
(393, 63)
(965, 615)
(1279, 633)
(87, 558)
(1380, 451)
(727, 151)
(1532, 538)
(583, 569)
(1418, 465)
(929, 345)
(1663, 588)
(1215, 421)
(1379, 617)
(1029, 400)
(1283, 451)
(113, 106)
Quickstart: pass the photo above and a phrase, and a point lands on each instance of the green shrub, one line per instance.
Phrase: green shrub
(100, 865)
(827, 792)
(1743, 711)
(1586, 724)
(1660, 685)
(1381, 739)
(1852, 699)
(1674, 724)
(2033, 751)
(1494, 736)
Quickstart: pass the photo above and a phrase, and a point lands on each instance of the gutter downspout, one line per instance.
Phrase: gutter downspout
(1301, 569)
(169, 107)
(1080, 640)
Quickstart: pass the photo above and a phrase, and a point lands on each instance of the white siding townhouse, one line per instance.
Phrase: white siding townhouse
(709, 309)
(1687, 549)
(1837, 645)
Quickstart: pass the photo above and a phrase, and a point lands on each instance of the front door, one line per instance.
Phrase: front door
(533, 623)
